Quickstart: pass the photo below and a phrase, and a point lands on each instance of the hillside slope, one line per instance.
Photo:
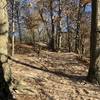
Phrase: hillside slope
(51, 76)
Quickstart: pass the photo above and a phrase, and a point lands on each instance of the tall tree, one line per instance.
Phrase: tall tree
(52, 44)
(12, 2)
(17, 7)
(91, 74)
(77, 38)
(58, 26)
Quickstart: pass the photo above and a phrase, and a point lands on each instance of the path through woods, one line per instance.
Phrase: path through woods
(51, 76)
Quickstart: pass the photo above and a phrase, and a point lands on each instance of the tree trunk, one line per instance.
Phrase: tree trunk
(93, 39)
(13, 25)
(52, 39)
(97, 63)
(68, 37)
(5, 73)
(58, 26)
(77, 38)
(18, 20)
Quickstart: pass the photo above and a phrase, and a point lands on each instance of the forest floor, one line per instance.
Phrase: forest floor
(51, 76)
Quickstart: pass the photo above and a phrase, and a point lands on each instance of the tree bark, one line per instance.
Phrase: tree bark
(58, 26)
(52, 39)
(13, 25)
(18, 20)
(77, 38)
(93, 39)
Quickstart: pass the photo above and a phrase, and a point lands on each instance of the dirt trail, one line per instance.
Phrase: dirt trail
(52, 76)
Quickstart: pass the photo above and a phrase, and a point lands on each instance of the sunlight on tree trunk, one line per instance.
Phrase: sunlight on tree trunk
(13, 26)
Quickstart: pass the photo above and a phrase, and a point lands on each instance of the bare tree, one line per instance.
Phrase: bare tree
(17, 8)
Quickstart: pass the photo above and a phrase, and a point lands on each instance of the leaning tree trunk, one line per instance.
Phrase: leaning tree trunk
(4, 66)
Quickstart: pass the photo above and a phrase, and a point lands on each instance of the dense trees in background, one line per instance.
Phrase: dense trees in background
(61, 24)
(64, 25)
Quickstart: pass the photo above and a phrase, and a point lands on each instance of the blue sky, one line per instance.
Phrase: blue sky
(88, 8)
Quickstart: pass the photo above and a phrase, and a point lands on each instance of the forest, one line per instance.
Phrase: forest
(49, 50)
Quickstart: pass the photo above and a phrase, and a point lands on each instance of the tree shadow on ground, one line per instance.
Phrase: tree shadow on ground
(58, 73)
(5, 93)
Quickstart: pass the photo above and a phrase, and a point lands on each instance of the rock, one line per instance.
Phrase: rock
(7, 72)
